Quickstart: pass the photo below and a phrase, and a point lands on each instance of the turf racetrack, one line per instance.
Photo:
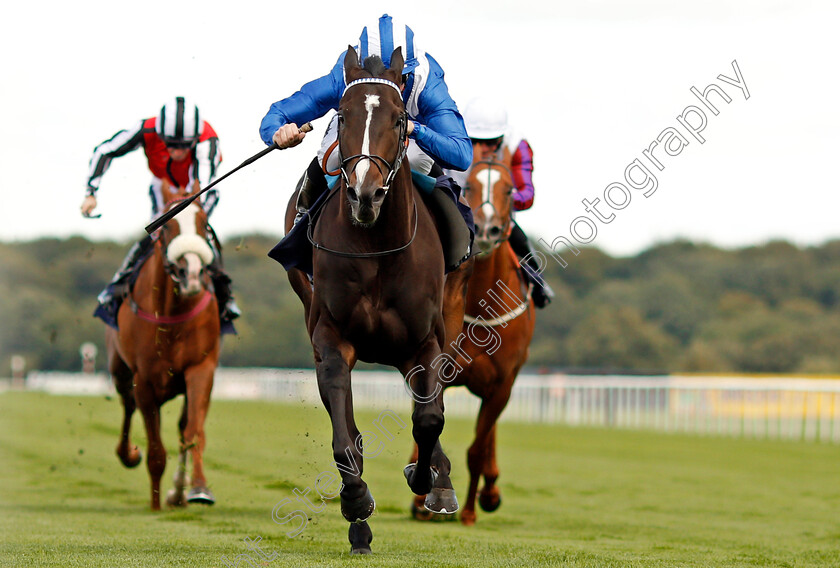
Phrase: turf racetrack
(571, 496)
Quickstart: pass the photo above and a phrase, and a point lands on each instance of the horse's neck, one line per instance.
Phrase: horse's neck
(154, 290)
(501, 264)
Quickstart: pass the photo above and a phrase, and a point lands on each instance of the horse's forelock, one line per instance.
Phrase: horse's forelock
(374, 65)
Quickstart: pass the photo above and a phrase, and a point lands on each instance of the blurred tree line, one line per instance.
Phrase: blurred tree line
(679, 306)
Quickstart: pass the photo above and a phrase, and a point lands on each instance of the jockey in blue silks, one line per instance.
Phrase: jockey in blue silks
(436, 129)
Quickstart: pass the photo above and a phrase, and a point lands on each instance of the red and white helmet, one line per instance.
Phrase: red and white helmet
(485, 119)
(179, 122)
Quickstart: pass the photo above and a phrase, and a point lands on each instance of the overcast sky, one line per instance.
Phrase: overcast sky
(590, 85)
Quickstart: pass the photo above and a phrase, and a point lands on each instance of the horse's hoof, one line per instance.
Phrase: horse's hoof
(489, 501)
(133, 459)
(441, 501)
(468, 518)
(201, 495)
(418, 511)
(175, 498)
(359, 510)
(410, 473)
(360, 537)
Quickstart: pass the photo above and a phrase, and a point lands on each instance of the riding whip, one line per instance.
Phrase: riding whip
(160, 221)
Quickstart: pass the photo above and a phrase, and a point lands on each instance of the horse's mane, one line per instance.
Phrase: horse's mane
(374, 65)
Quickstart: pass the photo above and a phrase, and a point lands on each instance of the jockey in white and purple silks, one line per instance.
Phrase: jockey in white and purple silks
(435, 128)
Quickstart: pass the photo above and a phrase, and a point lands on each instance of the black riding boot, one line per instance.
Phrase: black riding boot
(310, 187)
(228, 310)
(541, 292)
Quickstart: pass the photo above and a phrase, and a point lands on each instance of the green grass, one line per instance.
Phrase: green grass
(571, 496)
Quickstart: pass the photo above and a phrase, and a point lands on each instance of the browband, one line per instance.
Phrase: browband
(373, 80)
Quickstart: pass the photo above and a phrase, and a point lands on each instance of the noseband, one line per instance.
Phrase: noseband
(377, 161)
(203, 250)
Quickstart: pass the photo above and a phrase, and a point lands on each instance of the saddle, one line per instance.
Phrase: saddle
(453, 220)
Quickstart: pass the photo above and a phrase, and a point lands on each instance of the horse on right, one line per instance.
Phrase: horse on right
(498, 326)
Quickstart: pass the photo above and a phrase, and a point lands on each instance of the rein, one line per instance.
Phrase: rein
(311, 237)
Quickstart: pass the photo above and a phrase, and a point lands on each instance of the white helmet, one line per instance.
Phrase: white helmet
(485, 119)
(179, 122)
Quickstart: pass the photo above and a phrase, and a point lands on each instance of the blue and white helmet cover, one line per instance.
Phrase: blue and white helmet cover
(383, 37)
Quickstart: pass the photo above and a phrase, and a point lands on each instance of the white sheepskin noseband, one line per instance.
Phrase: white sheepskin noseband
(183, 244)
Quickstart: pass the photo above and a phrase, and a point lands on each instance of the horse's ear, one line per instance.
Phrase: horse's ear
(397, 63)
(351, 60)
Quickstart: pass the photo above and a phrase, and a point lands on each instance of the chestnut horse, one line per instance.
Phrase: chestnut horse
(379, 292)
(168, 344)
(498, 326)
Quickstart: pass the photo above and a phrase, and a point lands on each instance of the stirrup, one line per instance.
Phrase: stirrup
(542, 294)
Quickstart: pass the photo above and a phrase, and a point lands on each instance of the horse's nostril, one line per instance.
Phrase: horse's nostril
(351, 194)
(379, 193)
(494, 232)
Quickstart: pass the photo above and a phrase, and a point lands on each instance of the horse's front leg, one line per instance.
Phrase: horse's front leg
(333, 360)
(156, 458)
(479, 453)
(427, 391)
(129, 454)
(177, 496)
(199, 384)
(490, 497)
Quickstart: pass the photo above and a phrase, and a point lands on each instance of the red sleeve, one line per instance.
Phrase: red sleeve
(522, 166)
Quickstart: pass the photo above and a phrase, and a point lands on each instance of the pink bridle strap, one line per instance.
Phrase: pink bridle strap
(170, 320)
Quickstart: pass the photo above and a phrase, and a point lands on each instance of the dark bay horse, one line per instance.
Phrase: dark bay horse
(168, 344)
(379, 291)
(498, 326)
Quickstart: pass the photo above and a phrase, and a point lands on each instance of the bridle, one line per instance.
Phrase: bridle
(169, 265)
(488, 198)
(172, 270)
(377, 161)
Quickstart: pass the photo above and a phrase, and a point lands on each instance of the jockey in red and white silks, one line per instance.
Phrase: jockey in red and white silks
(199, 160)
(183, 150)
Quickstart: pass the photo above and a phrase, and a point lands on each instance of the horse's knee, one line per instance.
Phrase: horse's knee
(156, 460)
(427, 422)
(475, 459)
(332, 371)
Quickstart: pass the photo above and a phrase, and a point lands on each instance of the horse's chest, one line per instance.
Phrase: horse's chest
(385, 321)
